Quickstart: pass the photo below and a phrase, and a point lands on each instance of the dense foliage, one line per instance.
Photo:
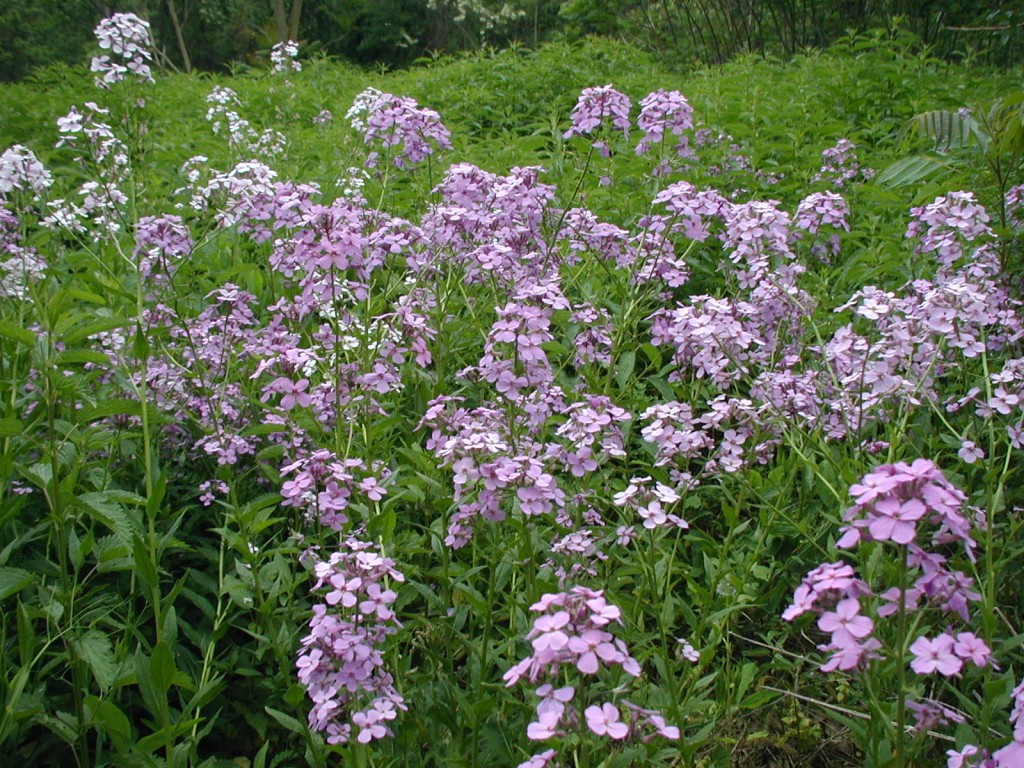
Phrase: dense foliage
(530, 408)
(210, 35)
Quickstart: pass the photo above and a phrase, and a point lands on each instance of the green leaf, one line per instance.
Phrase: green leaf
(949, 130)
(96, 650)
(82, 356)
(144, 566)
(111, 720)
(910, 170)
(116, 407)
(85, 330)
(287, 721)
(13, 580)
(11, 428)
(624, 369)
(17, 333)
(100, 508)
(161, 667)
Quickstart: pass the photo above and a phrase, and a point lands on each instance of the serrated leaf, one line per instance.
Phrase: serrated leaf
(11, 428)
(13, 580)
(102, 509)
(96, 650)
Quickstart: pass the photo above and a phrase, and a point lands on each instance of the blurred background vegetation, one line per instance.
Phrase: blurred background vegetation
(223, 34)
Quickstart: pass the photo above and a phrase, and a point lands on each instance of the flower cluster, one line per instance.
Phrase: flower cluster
(651, 500)
(322, 486)
(284, 57)
(160, 243)
(892, 504)
(946, 226)
(389, 121)
(572, 631)
(663, 111)
(597, 104)
(20, 266)
(222, 115)
(106, 155)
(127, 38)
(340, 663)
(21, 173)
(839, 166)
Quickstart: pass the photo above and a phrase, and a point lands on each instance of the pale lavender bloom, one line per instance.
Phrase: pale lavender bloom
(971, 648)
(935, 656)
(961, 758)
(970, 452)
(594, 106)
(340, 663)
(605, 720)
(128, 39)
(540, 760)
(398, 121)
(663, 111)
(284, 57)
(21, 171)
(846, 620)
(840, 166)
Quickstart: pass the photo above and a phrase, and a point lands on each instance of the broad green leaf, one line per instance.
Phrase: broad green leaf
(115, 407)
(161, 667)
(144, 566)
(13, 580)
(949, 130)
(624, 369)
(111, 720)
(100, 508)
(11, 428)
(82, 356)
(910, 170)
(17, 333)
(287, 721)
(96, 650)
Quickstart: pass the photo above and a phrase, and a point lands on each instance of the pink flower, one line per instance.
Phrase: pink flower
(540, 760)
(959, 758)
(547, 723)
(970, 647)
(604, 720)
(590, 646)
(935, 656)
(846, 619)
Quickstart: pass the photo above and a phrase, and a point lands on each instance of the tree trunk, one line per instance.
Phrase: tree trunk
(286, 20)
(281, 21)
(180, 35)
(293, 20)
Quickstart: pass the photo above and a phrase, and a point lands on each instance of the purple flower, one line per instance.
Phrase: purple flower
(663, 111)
(846, 620)
(594, 106)
(935, 656)
(971, 648)
(540, 760)
(604, 720)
